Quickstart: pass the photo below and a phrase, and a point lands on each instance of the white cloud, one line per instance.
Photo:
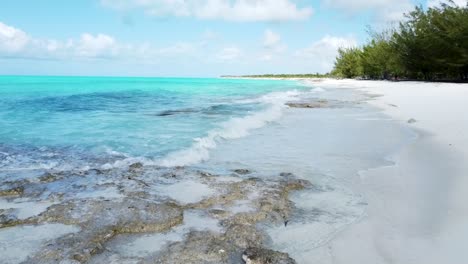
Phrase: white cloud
(12, 40)
(229, 53)
(384, 10)
(15, 43)
(97, 46)
(436, 3)
(271, 39)
(266, 57)
(323, 52)
(272, 45)
(178, 49)
(230, 10)
(209, 34)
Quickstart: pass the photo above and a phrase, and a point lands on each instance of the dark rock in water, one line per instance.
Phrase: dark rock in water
(412, 121)
(7, 220)
(16, 191)
(175, 112)
(242, 171)
(135, 166)
(312, 104)
(206, 174)
(48, 177)
(296, 184)
(170, 174)
(254, 255)
(96, 171)
(286, 174)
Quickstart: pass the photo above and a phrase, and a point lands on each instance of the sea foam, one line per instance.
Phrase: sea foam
(234, 128)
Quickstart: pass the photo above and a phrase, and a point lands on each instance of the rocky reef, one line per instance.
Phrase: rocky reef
(114, 207)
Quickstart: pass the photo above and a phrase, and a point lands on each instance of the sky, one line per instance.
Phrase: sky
(191, 38)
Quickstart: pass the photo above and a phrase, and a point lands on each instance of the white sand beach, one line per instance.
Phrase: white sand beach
(418, 210)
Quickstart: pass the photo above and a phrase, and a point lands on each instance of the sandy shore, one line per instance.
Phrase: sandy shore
(417, 209)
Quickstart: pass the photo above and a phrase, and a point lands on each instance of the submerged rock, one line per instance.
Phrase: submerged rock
(16, 191)
(286, 174)
(244, 235)
(242, 171)
(7, 219)
(309, 104)
(218, 213)
(101, 220)
(139, 209)
(198, 247)
(254, 255)
(48, 177)
(135, 167)
(175, 112)
(240, 231)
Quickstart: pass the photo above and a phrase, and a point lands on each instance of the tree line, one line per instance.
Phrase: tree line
(285, 76)
(430, 44)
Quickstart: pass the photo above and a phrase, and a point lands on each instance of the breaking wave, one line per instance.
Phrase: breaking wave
(234, 128)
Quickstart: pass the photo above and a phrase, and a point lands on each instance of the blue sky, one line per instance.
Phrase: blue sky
(185, 37)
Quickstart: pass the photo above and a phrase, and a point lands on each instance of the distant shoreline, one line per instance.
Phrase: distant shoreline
(320, 79)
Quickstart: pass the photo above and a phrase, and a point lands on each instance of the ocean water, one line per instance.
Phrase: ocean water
(99, 122)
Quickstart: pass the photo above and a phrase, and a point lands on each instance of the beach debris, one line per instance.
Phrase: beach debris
(138, 180)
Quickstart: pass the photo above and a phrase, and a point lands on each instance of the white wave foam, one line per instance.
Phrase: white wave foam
(318, 90)
(127, 162)
(232, 129)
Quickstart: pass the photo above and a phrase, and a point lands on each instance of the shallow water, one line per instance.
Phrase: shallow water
(328, 147)
(63, 122)
(17, 243)
(147, 245)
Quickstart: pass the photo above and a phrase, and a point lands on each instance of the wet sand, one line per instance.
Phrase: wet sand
(417, 210)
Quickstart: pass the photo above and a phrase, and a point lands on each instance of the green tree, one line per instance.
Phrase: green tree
(348, 63)
(429, 44)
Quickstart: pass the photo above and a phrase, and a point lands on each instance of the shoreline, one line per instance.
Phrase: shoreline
(322, 79)
(421, 195)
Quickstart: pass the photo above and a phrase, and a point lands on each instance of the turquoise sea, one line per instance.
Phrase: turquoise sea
(74, 122)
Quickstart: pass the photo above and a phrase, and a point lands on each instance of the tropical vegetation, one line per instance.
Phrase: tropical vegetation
(430, 44)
